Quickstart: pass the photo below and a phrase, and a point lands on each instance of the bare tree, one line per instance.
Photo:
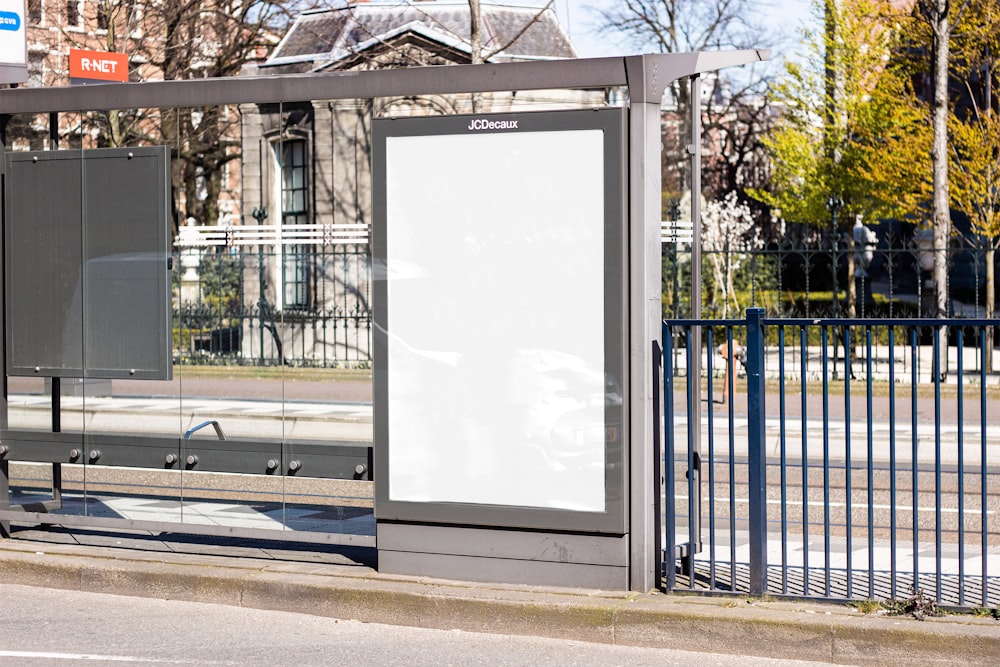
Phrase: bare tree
(185, 39)
(737, 115)
(733, 114)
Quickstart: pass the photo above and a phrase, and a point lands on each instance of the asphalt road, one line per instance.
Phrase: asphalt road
(57, 627)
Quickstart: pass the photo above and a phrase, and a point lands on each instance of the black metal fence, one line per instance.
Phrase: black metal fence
(228, 307)
(233, 313)
(864, 475)
(809, 274)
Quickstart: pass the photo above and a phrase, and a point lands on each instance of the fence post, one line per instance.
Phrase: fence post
(756, 453)
(669, 490)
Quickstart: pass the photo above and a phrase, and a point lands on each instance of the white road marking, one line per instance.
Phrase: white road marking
(50, 655)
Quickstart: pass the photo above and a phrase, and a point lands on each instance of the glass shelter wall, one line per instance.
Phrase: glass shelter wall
(260, 418)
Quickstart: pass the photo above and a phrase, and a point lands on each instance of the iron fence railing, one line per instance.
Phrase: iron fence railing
(233, 307)
(812, 276)
(258, 335)
(862, 478)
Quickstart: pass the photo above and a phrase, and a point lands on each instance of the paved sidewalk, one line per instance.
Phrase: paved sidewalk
(345, 585)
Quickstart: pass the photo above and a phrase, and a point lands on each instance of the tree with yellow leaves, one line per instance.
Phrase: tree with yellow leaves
(842, 108)
(974, 149)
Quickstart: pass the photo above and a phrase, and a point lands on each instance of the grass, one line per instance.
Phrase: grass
(301, 374)
(867, 607)
(986, 612)
(918, 605)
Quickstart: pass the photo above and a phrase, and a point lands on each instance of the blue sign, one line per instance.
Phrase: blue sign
(10, 21)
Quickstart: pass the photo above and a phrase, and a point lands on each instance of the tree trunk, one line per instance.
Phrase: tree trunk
(475, 44)
(852, 281)
(941, 29)
(990, 306)
(936, 12)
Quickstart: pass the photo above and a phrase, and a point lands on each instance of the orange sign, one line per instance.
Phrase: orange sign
(97, 66)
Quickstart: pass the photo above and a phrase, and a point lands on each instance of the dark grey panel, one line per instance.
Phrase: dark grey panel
(87, 281)
(502, 570)
(330, 460)
(499, 543)
(127, 282)
(42, 447)
(339, 460)
(44, 244)
(612, 520)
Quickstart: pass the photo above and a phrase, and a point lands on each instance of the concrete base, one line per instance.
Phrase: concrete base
(503, 556)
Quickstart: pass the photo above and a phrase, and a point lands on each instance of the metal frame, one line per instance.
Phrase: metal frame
(612, 519)
(311, 537)
(831, 450)
(326, 460)
(646, 78)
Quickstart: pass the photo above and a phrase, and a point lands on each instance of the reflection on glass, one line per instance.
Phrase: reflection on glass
(268, 332)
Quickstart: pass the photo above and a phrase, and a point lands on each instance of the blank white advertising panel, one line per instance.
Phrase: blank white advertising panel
(496, 239)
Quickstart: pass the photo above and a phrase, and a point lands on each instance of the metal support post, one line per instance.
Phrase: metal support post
(4, 496)
(694, 354)
(645, 320)
(756, 452)
(4, 464)
(657, 455)
(56, 383)
(669, 502)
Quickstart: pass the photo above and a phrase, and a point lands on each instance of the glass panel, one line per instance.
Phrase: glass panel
(325, 316)
(268, 334)
(133, 426)
(43, 414)
(231, 365)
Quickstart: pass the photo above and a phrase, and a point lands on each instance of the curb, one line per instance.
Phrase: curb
(804, 631)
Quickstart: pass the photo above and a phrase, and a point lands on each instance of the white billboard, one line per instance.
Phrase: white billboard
(500, 378)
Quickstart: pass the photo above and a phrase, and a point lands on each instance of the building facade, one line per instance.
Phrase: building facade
(306, 165)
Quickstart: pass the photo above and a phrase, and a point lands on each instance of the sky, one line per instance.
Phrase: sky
(577, 19)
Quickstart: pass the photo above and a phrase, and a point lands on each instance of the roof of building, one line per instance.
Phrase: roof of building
(325, 38)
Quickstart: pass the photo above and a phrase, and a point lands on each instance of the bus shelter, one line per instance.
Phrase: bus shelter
(515, 447)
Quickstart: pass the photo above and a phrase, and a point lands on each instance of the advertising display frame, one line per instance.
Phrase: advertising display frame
(611, 124)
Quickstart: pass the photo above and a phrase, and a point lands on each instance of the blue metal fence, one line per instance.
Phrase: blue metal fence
(838, 459)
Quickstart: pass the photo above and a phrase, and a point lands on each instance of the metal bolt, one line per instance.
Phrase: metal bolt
(192, 459)
(295, 465)
(37, 369)
(95, 454)
(271, 464)
(130, 155)
(171, 459)
(3, 450)
(361, 469)
(74, 454)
